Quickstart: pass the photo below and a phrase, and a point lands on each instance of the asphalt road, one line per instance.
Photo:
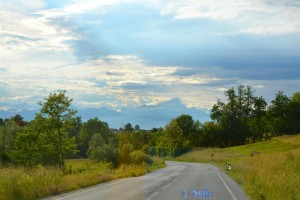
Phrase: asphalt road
(179, 180)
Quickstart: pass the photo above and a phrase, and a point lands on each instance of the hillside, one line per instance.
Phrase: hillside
(272, 173)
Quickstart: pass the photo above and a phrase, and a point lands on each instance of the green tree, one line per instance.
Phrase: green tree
(190, 128)
(19, 120)
(294, 113)
(28, 149)
(278, 113)
(234, 115)
(186, 124)
(212, 135)
(1, 122)
(7, 135)
(95, 148)
(258, 122)
(137, 127)
(172, 142)
(55, 115)
(90, 128)
(101, 151)
(296, 97)
(128, 128)
(74, 132)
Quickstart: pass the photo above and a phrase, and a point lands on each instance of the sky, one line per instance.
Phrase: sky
(117, 53)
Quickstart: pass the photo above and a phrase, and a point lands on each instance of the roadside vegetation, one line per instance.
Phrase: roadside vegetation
(45, 155)
(272, 172)
(23, 184)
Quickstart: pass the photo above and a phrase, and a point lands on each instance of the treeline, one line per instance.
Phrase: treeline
(57, 133)
(246, 118)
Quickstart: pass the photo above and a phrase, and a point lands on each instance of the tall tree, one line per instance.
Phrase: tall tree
(234, 115)
(278, 113)
(19, 120)
(172, 142)
(74, 132)
(186, 124)
(90, 128)
(258, 123)
(55, 115)
(190, 128)
(294, 113)
(7, 135)
(1, 122)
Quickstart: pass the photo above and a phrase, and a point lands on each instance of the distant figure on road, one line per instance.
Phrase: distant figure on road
(228, 166)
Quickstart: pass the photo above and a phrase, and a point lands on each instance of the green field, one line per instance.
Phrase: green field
(20, 184)
(273, 174)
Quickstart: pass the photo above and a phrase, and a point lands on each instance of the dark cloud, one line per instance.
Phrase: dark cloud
(84, 49)
(143, 87)
(219, 83)
(114, 73)
(187, 72)
(15, 37)
(160, 41)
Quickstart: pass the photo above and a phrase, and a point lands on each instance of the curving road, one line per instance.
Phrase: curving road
(179, 180)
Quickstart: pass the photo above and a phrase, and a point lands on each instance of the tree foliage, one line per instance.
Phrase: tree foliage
(8, 132)
(173, 141)
(91, 127)
(238, 116)
(56, 133)
(128, 128)
(54, 118)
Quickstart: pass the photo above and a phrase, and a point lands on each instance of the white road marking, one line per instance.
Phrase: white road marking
(153, 196)
(174, 180)
(227, 187)
(166, 186)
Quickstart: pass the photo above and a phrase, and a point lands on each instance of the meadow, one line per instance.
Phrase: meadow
(273, 173)
(17, 183)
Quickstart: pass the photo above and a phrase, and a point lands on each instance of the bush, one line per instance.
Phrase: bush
(138, 157)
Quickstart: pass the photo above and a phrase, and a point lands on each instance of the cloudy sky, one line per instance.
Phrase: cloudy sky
(118, 53)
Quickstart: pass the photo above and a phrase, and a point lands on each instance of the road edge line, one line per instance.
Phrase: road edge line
(227, 187)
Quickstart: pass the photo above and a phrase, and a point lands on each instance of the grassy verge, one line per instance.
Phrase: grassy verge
(20, 184)
(273, 174)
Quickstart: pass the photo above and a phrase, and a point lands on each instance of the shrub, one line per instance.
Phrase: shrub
(138, 157)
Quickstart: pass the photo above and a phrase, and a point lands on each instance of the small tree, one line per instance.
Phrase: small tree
(90, 128)
(128, 127)
(101, 151)
(27, 148)
(54, 117)
(95, 148)
(137, 127)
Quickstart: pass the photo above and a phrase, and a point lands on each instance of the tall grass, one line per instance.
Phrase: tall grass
(274, 174)
(16, 183)
(21, 184)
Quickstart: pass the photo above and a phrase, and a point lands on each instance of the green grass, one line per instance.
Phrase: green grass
(20, 184)
(273, 174)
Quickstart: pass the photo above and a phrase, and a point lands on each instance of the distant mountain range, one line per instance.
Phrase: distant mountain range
(145, 116)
